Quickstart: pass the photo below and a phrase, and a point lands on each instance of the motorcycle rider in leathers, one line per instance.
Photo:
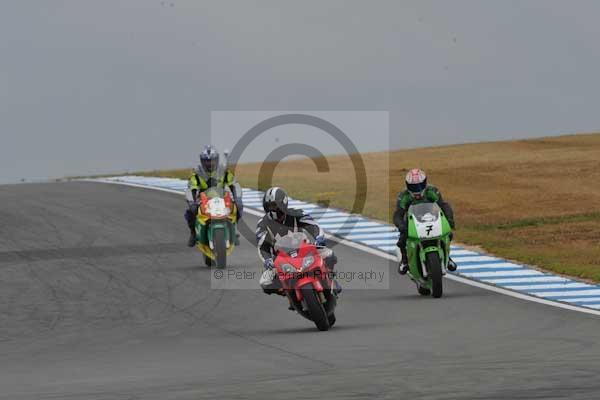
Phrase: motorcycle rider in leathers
(418, 191)
(210, 173)
(278, 221)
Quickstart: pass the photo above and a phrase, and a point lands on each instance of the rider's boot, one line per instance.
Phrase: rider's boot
(330, 259)
(403, 267)
(267, 282)
(337, 288)
(238, 219)
(192, 239)
(451, 265)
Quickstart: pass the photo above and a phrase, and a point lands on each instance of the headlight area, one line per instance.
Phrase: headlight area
(308, 262)
(289, 269)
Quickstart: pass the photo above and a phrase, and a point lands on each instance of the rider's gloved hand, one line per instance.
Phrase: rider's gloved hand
(320, 241)
(269, 264)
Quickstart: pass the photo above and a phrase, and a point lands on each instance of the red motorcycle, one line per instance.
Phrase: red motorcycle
(305, 279)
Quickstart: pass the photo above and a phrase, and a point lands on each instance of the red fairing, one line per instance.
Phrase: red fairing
(317, 274)
(203, 202)
(305, 279)
(228, 201)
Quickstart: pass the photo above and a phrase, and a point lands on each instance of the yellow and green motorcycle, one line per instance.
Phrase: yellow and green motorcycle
(216, 226)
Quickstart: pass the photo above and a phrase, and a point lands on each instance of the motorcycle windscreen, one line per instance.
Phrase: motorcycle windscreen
(214, 191)
(216, 203)
(292, 241)
(427, 219)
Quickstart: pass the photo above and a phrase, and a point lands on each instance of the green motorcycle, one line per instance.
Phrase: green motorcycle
(216, 226)
(428, 247)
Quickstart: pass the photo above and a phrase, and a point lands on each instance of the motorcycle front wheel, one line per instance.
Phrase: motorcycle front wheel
(434, 267)
(315, 308)
(220, 249)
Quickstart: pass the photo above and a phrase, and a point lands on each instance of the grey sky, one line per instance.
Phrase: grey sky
(104, 86)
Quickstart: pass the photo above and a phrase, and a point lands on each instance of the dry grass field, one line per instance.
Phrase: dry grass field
(536, 201)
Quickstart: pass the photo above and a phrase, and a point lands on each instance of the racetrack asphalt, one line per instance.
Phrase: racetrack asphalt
(101, 299)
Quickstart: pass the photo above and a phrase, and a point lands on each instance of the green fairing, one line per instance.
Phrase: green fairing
(412, 230)
(417, 254)
(214, 226)
(201, 233)
(205, 233)
(446, 228)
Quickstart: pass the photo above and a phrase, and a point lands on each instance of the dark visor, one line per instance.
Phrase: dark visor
(272, 206)
(416, 187)
(210, 165)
